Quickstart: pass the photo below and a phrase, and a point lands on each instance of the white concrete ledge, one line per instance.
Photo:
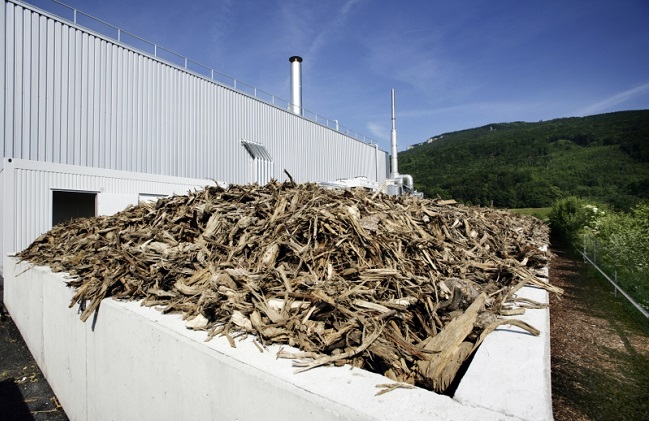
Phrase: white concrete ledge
(510, 373)
(133, 362)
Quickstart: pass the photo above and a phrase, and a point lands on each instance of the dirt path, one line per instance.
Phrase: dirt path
(600, 348)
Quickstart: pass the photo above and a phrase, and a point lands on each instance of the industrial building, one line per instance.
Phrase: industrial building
(91, 124)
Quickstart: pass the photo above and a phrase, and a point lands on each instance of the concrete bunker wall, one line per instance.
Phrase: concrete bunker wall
(132, 362)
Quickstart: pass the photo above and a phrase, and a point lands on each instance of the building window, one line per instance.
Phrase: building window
(262, 161)
(67, 205)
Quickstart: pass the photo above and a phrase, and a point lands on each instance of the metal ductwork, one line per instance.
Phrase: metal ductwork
(296, 84)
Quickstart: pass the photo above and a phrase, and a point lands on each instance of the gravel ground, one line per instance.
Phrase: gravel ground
(600, 355)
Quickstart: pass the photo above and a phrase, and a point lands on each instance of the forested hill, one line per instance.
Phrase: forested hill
(517, 165)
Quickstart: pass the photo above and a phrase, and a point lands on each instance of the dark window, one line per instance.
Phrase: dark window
(67, 205)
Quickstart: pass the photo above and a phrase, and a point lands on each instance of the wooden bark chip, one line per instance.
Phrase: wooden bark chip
(401, 286)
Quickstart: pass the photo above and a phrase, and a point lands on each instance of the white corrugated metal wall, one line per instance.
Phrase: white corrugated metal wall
(30, 184)
(78, 98)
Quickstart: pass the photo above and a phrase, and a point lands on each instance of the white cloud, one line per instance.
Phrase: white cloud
(414, 58)
(378, 130)
(613, 100)
(332, 28)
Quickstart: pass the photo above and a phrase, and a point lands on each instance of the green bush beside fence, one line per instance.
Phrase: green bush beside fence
(618, 241)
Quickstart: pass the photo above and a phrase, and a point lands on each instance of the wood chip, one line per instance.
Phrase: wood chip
(402, 286)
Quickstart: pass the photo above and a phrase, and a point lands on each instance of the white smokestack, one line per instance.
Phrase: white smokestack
(394, 174)
(393, 144)
(296, 84)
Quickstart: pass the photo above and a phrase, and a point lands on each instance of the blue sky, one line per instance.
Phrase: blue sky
(453, 64)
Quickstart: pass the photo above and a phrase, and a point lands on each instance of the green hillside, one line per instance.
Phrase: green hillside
(519, 165)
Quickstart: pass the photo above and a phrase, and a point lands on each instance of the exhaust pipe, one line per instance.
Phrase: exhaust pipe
(393, 144)
(394, 163)
(296, 85)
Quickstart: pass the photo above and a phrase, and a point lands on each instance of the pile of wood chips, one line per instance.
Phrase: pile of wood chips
(401, 286)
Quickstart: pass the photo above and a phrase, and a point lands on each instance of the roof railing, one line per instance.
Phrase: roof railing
(106, 29)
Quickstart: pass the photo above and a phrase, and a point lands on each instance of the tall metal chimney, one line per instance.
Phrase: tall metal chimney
(394, 173)
(393, 144)
(296, 84)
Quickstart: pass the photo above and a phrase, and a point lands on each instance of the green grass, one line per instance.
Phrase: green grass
(541, 213)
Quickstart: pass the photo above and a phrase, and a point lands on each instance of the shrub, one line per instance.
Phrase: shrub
(621, 244)
(571, 215)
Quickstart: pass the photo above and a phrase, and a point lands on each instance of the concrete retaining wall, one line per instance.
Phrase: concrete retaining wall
(133, 362)
(510, 373)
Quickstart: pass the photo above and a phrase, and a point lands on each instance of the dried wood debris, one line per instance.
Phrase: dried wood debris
(397, 285)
